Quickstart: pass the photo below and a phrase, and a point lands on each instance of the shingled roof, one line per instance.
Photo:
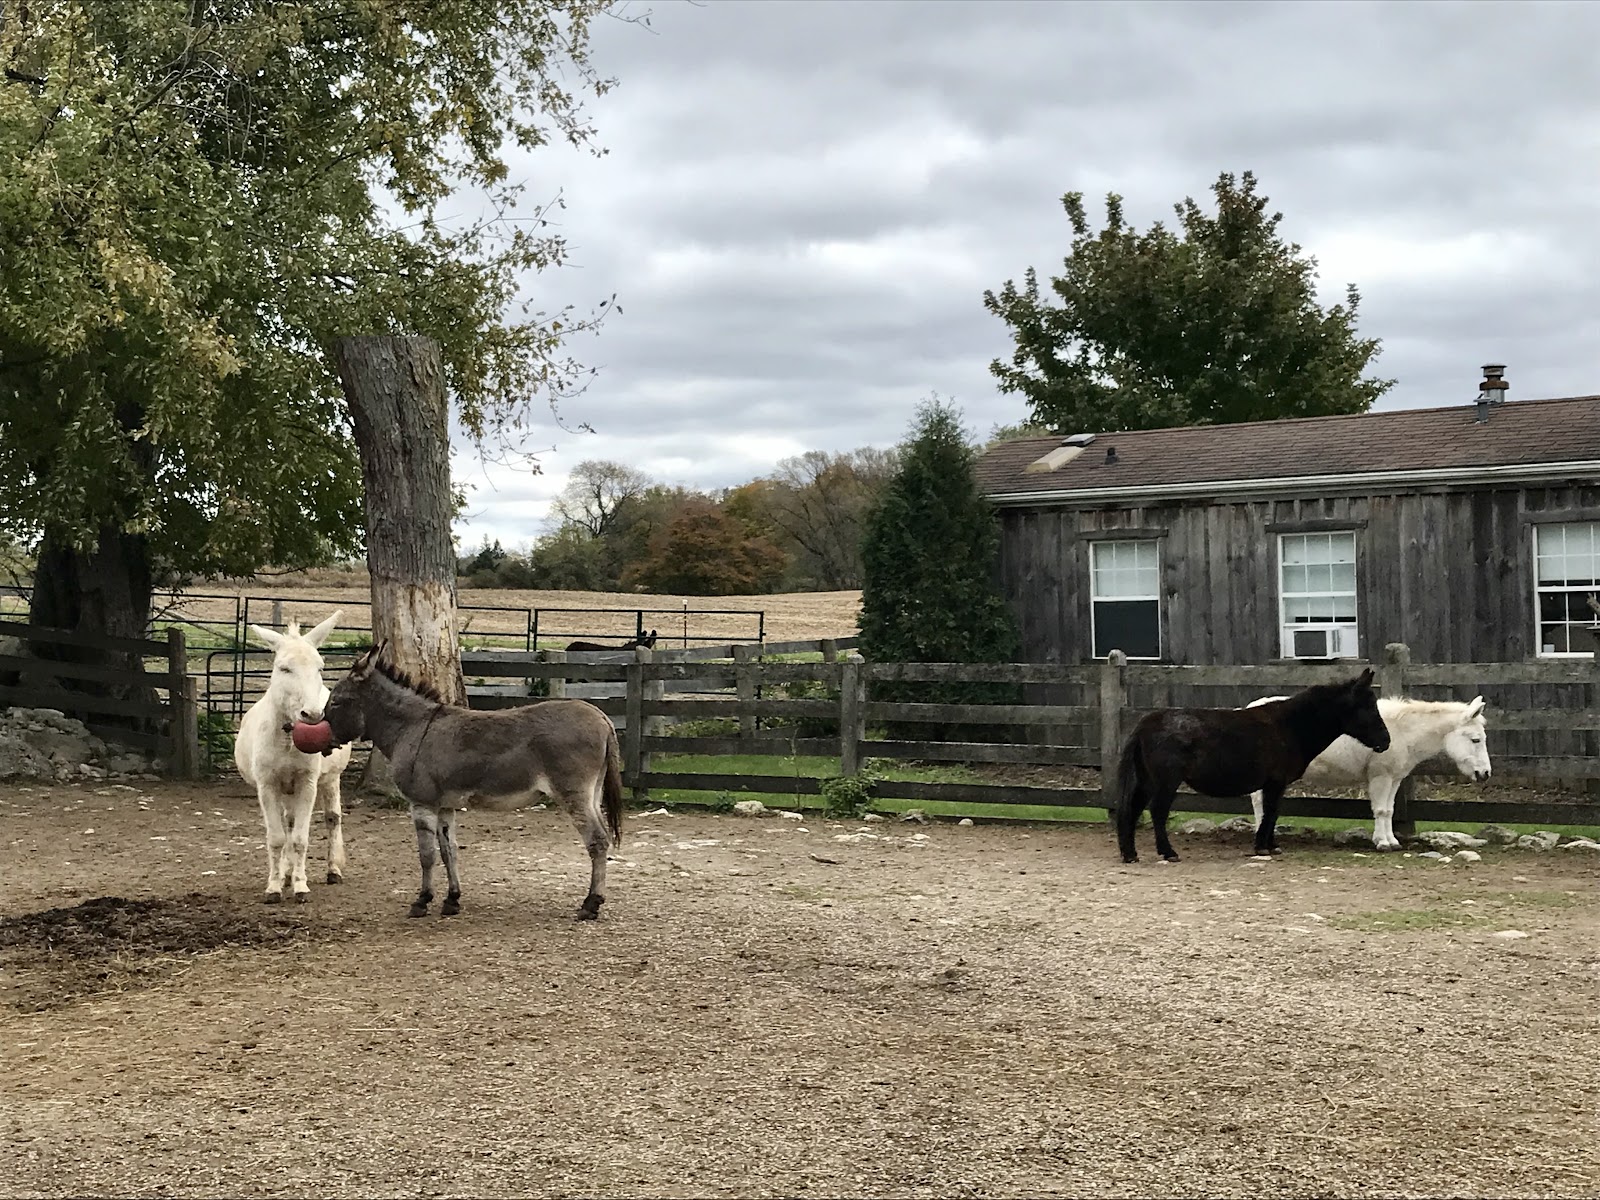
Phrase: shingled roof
(1531, 433)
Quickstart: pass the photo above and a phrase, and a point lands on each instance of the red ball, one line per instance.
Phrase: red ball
(312, 739)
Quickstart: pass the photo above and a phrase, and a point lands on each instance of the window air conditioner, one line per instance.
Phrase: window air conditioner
(1321, 641)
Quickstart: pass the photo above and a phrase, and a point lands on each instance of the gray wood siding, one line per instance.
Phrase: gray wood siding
(1449, 573)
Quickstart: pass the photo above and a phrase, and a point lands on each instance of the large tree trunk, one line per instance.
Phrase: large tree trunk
(395, 388)
(105, 591)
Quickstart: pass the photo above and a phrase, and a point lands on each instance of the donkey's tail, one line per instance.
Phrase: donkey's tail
(1130, 797)
(611, 788)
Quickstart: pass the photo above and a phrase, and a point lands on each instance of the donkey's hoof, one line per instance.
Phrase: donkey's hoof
(417, 910)
(335, 877)
(302, 897)
(1130, 858)
(450, 907)
(590, 910)
(272, 898)
(1173, 857)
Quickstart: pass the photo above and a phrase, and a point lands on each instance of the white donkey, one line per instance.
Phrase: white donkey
(1418, 730)
(289, 784)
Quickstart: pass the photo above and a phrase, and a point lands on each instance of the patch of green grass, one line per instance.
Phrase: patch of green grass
(1329, 825)
(1404, 920)
(1543, 898)
(797, 766)
(817, 767)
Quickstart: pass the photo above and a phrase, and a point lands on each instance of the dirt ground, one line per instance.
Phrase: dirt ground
(794, 616)
(771, 1007)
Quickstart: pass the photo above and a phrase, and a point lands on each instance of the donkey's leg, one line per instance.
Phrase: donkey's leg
(272, 817)
(426, 821)
(1160, 805)
(586, 814)
(1381, 790)
(1267, 831)
(1255, 805)
(333, 818)
(447, 851)
(301, 805)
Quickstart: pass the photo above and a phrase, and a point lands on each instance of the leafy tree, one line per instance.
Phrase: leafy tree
(599, 495)
(486, 559)
(1010, 433)
(821, 503)
(198, 199)
(569, 560)
(930, 555)
(705, 552)
(1215, 322)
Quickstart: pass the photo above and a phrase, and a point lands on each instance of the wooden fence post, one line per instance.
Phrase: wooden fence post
(830, 650)
(1113, 695)
(1392, 684)
(556, 685)
(745, 682)
(633, 756)
(852, 704)
(185, 708)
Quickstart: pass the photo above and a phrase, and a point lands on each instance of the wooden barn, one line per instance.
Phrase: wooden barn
(1470, 532)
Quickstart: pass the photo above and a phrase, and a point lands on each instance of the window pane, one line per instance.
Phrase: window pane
(1132, 626)
(1297, 610)
(1567, 554)
(1121, 570)
(1344, 577)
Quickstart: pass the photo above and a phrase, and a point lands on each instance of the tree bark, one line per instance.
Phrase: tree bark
(104, 591)
(395, 388)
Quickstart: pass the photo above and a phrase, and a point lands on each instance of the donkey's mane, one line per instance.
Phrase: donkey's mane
(394, 673)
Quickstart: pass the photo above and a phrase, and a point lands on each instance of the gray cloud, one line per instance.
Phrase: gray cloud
(804, 202)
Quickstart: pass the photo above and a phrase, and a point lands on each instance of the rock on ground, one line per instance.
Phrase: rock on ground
(1498, 834)
(1198, 825)
(750, 808)
(43, 743)
(1543, 839)
(1447, 839)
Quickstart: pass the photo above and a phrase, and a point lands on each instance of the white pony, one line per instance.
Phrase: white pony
(1418, 730)
(289, 784)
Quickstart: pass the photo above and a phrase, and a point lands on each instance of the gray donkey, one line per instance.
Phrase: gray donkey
(444, 756)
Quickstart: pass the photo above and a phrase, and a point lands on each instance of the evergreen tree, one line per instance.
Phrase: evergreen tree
(929, 555)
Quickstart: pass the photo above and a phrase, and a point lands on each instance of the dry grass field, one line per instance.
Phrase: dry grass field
(310, 596)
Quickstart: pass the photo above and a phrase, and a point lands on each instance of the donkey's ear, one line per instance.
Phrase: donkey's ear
(1475, 709)
(1363, 680)
(267, 637)
(317, 633)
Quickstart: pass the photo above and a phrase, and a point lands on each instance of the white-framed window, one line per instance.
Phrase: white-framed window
(1566, 573)
(1317, 594)
(1125, 598)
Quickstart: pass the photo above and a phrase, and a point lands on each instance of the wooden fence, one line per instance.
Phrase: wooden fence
(39, 684)
(1086, 732)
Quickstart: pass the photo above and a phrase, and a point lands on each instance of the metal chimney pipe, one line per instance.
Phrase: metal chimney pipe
(1493, 388)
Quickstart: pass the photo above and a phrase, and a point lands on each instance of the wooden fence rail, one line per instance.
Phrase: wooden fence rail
(37, 682)
(1084, 730)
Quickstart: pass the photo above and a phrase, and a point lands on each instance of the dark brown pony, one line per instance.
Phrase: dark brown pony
(647, 640)
(1236, 751)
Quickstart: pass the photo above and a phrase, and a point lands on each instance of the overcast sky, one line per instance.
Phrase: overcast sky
(804, 202)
